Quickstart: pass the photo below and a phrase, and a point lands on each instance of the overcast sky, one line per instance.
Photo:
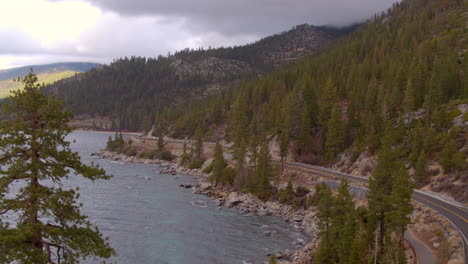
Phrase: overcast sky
(46, 31)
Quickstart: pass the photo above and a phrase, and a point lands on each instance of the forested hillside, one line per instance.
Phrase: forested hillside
(132, 90)
(399, 81)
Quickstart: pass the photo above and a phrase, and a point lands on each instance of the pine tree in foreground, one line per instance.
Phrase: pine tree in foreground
(34, 159)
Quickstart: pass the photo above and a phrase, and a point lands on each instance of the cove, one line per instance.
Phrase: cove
(149, 219)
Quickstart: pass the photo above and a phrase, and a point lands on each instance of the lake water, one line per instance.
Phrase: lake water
(149, 219)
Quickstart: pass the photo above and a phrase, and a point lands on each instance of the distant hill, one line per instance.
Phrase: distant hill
(47, 73)
(131, 88)
(46, 68)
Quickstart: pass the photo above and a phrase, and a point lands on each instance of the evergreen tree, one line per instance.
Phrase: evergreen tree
(310, 98)
(344, 221)
(324, 214)
(327, 100)
(146, 124)
(198, 144)
(160, 142)
(380, 189)
(398, 217)
(334, 140)
(286, 195)
(447, 156)
(305, 129)
(284, 144)
(420, 172)
(35, 155)
(218, 164)
(263, 172)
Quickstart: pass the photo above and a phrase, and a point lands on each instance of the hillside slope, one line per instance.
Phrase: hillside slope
(133, 89)
(47, 74)
(47, 78)
(398, 84)
(13, 73)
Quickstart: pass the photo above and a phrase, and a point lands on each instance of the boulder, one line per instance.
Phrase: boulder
(298, 218)
(233, 199)
(205, 186)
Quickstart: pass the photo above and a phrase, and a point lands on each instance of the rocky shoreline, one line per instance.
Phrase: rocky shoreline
(242, 202)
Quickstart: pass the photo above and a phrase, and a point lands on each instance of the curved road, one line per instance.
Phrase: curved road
(457, 215)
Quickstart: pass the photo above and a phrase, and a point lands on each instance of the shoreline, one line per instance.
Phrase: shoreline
(105, 131)
(244, 203)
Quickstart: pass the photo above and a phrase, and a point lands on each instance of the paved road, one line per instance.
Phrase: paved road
(457, 215)
(423, 253)
(454, 213)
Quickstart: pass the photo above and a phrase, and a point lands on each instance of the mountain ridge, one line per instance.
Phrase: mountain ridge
(131, 88)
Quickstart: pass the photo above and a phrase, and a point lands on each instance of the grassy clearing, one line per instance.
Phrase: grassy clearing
(47, 78)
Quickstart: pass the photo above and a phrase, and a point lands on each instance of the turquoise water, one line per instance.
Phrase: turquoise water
(149, 219)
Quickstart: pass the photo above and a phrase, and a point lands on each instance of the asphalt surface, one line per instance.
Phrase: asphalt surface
(457, 215)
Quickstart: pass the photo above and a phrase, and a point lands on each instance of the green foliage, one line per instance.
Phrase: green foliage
(421, 173)
(259, 179)
(229, 175)
(284, 143)
(304, 139)
(451, 159)
(130, 151)
(208, 169)
(334, 142)
(272, 259)
(116, 144)
(324, 215)
(196, 163)
(35, 154)
(286, 195)
(198, 152)
(389, 200)
(166, 155)
(297, 198)
(218, 165)
(377, 75)
(184, 158)
(398, 217)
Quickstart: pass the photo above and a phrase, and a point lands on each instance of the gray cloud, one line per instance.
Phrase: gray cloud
(14, 41)
(258, 17)
(153, 27)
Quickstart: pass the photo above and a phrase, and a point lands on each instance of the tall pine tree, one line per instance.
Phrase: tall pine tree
(35, 155)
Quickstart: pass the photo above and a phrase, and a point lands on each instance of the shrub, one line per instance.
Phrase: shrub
(150, 154)
(208, 168)
(166, 155)
(286, 195)
(184, 158)
(196, 163)
(229, 174)
(130, 151)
